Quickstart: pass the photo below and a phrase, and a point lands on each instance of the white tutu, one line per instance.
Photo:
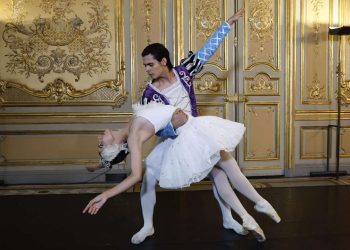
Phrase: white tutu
(189, 158)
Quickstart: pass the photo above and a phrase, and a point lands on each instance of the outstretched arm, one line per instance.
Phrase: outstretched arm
(235, 17)
(194, 62)
(140, 131)
(208, 50)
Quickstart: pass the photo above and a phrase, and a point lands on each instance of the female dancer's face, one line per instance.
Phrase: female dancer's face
(107, 138)
(153, 67)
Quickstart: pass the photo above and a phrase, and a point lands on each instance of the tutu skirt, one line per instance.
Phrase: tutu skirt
(189, 158)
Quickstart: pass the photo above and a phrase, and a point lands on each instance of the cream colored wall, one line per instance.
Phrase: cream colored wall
(313, 83)
(289, 85)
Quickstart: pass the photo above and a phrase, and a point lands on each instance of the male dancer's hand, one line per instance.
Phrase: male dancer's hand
(235, 16)
(179, 118)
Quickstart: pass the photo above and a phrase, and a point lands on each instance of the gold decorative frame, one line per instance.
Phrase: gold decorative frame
(343, 153)
(277, 137)
(315, 90)
(61, 92)
(209, 84)
(312, 156)
(220, 105)
(270, 88)
(260, 28)
(202, 14)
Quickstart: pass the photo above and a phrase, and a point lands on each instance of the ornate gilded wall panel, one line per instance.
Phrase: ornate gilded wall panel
(210, 84)
(261, 85)
(313, 142)
(263, 131)
(345, 142)
(205, 16)
(262, 34)
(345, 5)
(147, 26)
(44, 147)
(315, 52)
(345, 60)
(215, 109)
(64, 55)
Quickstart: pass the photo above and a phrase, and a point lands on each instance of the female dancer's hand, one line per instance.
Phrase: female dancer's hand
(95, 204)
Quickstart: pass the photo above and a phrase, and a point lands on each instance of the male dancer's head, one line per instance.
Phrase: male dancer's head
(156, 60)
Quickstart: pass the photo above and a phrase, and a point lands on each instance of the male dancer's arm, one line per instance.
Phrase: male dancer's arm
(194, 62)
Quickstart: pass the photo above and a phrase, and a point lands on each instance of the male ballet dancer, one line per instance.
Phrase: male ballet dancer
(173, 85)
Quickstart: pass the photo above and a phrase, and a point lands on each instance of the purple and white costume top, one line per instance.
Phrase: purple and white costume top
(181, 94)
(201, 139)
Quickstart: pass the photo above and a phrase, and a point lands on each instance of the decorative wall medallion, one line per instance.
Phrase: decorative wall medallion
(207, 18)
(261, 24)
(345, 91)
(72, 52)
(210, 84)
(60, 43)
(316, 90)
(261, 84)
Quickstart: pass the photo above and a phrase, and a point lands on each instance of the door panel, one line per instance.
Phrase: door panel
(260, 81)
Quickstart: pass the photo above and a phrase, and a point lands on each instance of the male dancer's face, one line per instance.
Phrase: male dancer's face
(153, 67)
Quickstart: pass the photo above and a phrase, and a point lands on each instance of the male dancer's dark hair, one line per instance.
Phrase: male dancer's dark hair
(158, 51)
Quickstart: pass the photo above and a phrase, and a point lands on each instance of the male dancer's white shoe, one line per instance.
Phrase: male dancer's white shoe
(250, 224)
(266, 208)
(141, 235)
(235, 226)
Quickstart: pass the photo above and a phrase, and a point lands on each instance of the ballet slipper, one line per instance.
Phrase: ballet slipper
(251, 225)
(266, 208)
(141, 235)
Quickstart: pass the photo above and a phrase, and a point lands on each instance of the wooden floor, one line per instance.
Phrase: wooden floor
(312, 218)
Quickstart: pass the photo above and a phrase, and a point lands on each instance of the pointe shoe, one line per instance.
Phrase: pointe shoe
(251, 225)
(266, 208)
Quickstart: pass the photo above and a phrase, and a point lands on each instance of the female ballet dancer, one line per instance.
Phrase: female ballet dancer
(188, 158)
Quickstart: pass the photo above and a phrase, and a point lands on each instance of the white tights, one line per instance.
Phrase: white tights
(223, 193)
(238, 179)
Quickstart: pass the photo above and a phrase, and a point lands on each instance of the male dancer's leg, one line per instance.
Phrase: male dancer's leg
(241, 183)
(148, 201)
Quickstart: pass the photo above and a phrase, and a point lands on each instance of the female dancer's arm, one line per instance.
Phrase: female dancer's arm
(140, 131)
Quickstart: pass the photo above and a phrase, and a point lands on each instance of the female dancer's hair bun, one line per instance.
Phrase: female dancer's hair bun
(113, 154)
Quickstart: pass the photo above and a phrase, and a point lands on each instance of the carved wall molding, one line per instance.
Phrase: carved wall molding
(63, 93)
(262, 34)
(262, 137)
(210, 84)
(205, 17)
(62, 55)
(261, 84)
(313, 142)
(316, 52)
